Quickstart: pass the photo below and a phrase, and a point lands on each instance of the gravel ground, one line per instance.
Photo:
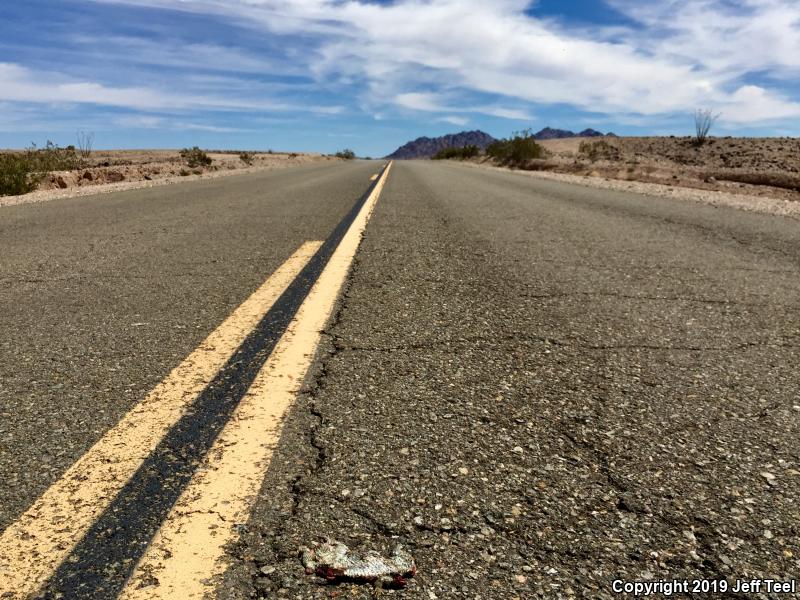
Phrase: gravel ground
(539, 388)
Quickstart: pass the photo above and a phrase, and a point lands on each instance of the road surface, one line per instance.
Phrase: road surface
(537, 388)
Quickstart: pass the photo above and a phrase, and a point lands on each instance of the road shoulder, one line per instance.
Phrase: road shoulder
(759, 204)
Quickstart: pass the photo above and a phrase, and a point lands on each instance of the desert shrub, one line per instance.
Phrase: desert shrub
(457, 153)
(195, 157)
(52, 158)
(704, 120)
(599, 150)
(21, 172)
(184, 172)
(247, 158)
(17, 175)
(497, 149)
(346, 154)
(516, 150)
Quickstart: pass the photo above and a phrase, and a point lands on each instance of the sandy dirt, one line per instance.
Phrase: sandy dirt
(109, 171)
(756, 174)
(768, 167)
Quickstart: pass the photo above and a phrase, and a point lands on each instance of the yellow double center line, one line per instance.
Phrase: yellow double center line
(187, 551)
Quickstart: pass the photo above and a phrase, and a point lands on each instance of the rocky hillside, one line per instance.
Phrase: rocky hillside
(426, 147)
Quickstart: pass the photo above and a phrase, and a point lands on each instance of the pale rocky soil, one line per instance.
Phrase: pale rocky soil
(118, 170)
(676, 168)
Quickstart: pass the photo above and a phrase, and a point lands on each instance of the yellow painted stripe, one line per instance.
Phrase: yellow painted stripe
(374, 177)
(188, 551)
(33, 547)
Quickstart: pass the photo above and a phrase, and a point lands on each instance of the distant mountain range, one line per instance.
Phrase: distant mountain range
(426, 147)
(549, 133)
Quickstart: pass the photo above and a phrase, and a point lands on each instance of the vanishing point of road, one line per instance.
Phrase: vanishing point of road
(537, 388)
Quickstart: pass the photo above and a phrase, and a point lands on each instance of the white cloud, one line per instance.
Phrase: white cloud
(192, 56)
(445, 103)
(155, 122)
(141, 121)
(505, 113)
(454, 120)
(730, 39)
(19, 84)
(419, 101)
(752, 99)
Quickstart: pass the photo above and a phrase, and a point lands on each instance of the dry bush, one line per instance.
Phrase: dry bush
(17, 175)
(517, 150)
(52, 158)
(21, 172)
(195, 157)
(599, 150)
(85, 143)
(704, 120)
(458, 153)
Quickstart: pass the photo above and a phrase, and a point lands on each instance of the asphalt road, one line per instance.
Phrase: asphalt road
(100, 297)
(537, 388)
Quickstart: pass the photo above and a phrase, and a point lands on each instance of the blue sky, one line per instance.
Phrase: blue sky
(322, 75)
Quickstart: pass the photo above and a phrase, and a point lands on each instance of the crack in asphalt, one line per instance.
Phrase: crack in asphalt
(616, 209)
(763, 413)
(562, 343)
(297, 488)
(743, 346)
(726, 302)
(754, 246)
(85, 277)
(698, 527)
(659, 268)
(377, 524)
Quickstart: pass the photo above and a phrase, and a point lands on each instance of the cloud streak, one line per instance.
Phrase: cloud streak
(20, 84)
(684, 54)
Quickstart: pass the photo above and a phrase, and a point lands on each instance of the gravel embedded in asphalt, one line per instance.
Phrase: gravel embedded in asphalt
(539, 388)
